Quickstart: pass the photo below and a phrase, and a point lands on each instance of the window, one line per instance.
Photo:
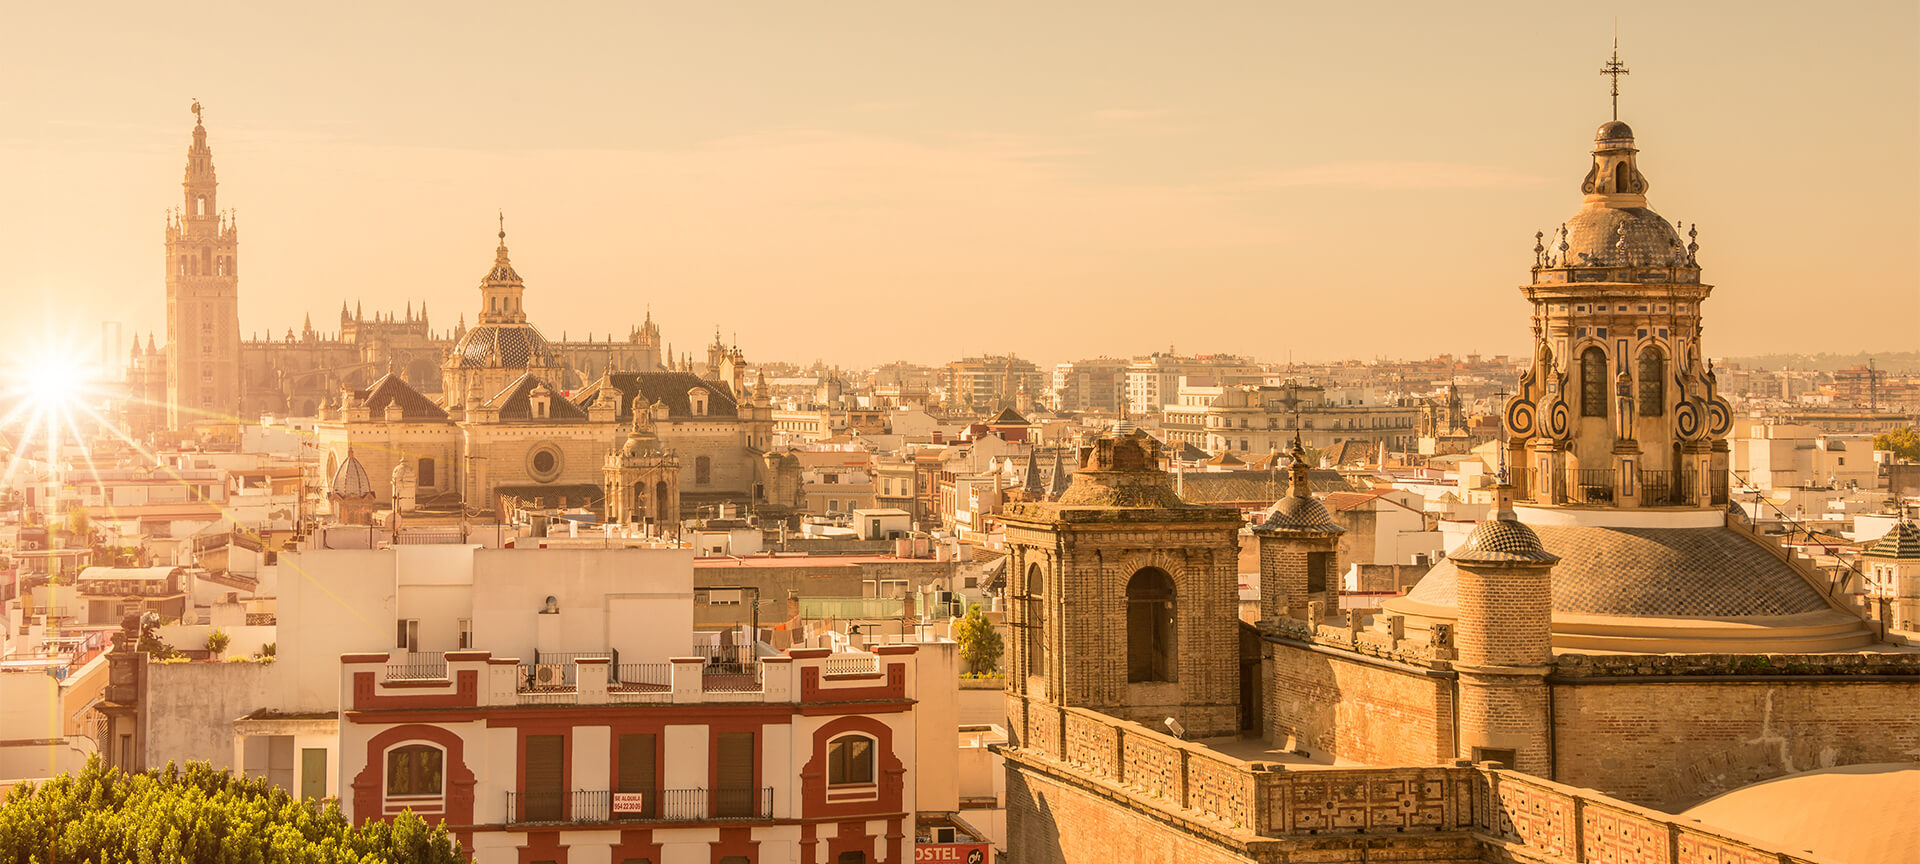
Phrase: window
(850, 761)
(1319, 566)
(734, 794)
(425, 474)
(636, 771)
(544, 461)
(465, 626)
(1653, 382)
(829, 479)
(1036, 622)
(1593, 382)
(407, 634)
(1505, 757)
(1150, 626)
(1620, 177)
(413, 770)
(702, 470)
(544, 784)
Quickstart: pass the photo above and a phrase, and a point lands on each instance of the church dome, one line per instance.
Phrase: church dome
(1614, 130)
(503, 346)
(350, 480)
(1299, 513)
(1654, 589)
(1861, 814)
(1601, 234)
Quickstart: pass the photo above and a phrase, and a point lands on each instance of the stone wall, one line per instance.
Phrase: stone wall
(1352, 709)
(1092, 788)
(1671, 744)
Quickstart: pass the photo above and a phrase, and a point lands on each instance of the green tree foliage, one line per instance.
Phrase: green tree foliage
(1905, 443)
(198, 816)
(979, 643)
(217, 642)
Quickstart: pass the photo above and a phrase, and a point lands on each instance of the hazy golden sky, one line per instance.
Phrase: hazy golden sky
(864, 181)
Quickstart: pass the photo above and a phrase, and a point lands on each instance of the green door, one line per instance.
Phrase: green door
(313, 773)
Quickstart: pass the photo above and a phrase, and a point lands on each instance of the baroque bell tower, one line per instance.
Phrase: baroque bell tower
(203, 298)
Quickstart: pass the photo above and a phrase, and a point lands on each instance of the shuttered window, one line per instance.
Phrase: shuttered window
(734, 794)
(636, 774)
(544, 783)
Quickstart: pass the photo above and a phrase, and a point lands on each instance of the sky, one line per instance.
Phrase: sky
(859, 182)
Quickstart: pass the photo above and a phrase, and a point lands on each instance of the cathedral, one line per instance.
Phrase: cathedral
(1613, 645)
(473, 419)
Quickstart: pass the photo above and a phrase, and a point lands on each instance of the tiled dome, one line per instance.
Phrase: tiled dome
(503, 346)
(350, 480)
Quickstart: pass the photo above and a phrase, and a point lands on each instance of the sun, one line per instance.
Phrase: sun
(50, 382)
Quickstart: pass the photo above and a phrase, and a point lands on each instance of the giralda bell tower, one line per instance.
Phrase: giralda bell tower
(203, 299)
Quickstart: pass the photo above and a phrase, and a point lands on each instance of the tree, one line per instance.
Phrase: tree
(198, 815)
(1905, 443)
(217, 642)
(979, 643)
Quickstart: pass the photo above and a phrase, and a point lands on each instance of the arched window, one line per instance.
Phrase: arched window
(1593, 382)
(1653, 382)
(1150, 626)
(1036, 622)
(200, 206)
(413, 770)
(1620, 178)
(850, 761)
(702, 470)
(660, 503)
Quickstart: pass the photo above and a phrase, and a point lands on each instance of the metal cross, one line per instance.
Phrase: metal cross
(1615, 68)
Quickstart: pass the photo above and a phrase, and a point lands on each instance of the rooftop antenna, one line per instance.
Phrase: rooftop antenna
(1615, 69)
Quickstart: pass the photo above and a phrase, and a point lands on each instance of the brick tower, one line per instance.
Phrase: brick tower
(1505, 641)
(203, 299)
(1299, 546)
(1124, 597)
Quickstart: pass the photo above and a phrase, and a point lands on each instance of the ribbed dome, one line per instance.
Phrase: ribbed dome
(1614, 130)
(503, 346)
(1594, 237)
(350, 480)
(1299, 513)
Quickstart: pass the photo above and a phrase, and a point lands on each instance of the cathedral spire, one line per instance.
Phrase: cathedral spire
(501, 288)
(1614, 69)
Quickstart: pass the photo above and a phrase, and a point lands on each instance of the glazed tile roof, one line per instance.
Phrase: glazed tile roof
(1902, 542)
(350, 480)
(1655, 572)
(504, 346)
(1502, 541)
(516, 403)
(670, 388)
(1225, 487)
(1296, 513)
(392, 389)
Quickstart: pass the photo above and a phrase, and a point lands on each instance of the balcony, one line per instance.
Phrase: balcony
(1605, 487)
(668, 805)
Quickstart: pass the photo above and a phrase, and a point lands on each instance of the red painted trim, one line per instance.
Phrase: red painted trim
(807, 653)
(894, 689)
(735, 841)
(363, 657)
(894, 649)
(636, 843)
(808, 844)
(367, 695)
(543, 846)
(468, 656)
(592, 661)
(836, 708)
(584, 715)
(503, 661)
(850, 836)
(369, 788)
(889, 773)
(418, 683)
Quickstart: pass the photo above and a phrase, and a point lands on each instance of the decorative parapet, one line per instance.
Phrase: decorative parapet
(1509, 815)
(1853, 663)
(1391, 645)
(1531, 819)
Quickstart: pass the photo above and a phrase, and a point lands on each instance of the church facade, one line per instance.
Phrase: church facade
(1612, 646)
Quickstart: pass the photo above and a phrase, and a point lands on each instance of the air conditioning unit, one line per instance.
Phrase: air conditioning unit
(548, 675)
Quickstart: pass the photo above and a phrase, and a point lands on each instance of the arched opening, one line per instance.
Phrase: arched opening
(414, 770)
(1653, 382)
(850, 761)
(1621, 176)
(702, 470)
(1593, 382)
(1151, 634)
(1036, 622)
(661, 502)
(200, 206)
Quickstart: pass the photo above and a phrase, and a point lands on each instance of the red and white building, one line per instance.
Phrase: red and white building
(578, 719)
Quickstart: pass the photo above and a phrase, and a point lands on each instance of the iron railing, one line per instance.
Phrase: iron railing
(728, 667)
(642, 677)
(419, 665)
(669, 805)
(1590, 485)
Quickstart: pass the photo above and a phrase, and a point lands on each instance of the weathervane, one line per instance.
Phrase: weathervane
(1615, 69)
(196, 111)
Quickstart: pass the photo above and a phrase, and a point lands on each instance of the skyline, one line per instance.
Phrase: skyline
(1121, 176)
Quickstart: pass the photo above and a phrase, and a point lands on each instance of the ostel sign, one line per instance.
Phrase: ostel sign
(952, 853)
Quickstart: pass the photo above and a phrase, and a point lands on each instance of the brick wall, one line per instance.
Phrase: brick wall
(1356, 710)
(1670, 745)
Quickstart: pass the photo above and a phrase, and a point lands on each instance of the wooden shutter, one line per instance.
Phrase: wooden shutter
(734, 794)
(544, 783)
(636, 771)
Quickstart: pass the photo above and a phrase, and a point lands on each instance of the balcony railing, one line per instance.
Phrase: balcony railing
(642, 677)
(856, 664)
(669, 805)
(420, 665)
(1590, 485)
